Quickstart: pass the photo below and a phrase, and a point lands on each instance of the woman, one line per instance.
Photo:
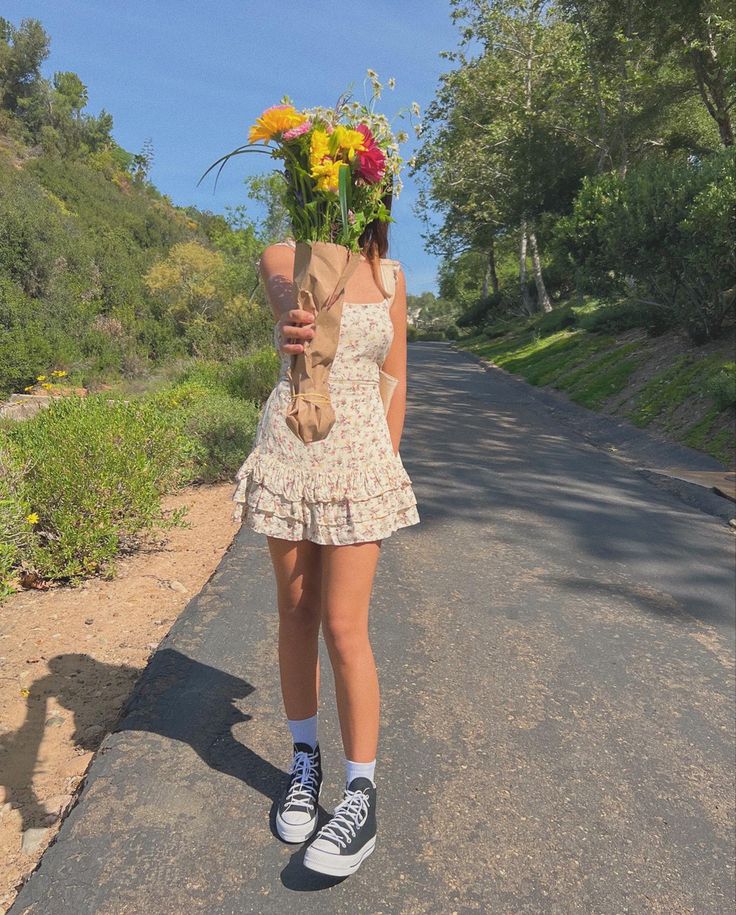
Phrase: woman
(325, 508)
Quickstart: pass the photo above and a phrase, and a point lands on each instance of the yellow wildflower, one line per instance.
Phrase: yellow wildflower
(319, 147)
(61, 372)
(40, 378)
(327, 174)
(343, 139)
(273, 121)
(47, 385)
(32, 518)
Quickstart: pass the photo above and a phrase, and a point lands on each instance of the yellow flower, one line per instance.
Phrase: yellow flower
(327, 174)
(40, 378)
(59, 372)
(273, 121)
(32, 518)
(319, 147)
(47, 385)
(343, 139)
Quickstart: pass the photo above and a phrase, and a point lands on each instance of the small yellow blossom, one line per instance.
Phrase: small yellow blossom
(32, 518)
(327, 175)
(319, 146)
(40, 378)
(343, 139)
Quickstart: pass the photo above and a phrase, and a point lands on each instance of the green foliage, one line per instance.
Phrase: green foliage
(220, 428)
(616, 317)
(665, 237)
(81, 479)
(556, 320)
(685, 377)
(16, 529)
(247, 378)
(722, 386)
(97, 470)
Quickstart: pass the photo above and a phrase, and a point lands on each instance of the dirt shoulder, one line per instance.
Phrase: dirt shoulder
(69, 658)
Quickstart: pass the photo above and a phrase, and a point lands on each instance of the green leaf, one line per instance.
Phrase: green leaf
(343, 186)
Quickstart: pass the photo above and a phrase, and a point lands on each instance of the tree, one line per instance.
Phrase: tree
(190, 281)
(22, 51)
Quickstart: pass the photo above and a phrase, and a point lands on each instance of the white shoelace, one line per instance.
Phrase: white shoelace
(303, 789)
(349, 816)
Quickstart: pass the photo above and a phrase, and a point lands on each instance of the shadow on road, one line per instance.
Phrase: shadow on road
(178, 698)
(482, 449)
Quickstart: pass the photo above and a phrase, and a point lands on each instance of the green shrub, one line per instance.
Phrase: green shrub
(247, 377)
(451, 332)
(494, 331)
(480, 311)
(722, 386)
(221, 429)
(663, 235)
(16, 521)
(626, 315)
(556, 320)
(434, 334)
(253, 377)
(96, 472)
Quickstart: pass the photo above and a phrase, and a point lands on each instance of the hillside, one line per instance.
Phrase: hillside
(679, 390)
(102, 278)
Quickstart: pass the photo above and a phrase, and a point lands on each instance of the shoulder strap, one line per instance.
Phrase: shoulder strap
(390, 271)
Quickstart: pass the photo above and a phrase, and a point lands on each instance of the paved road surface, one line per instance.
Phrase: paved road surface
(555, 650)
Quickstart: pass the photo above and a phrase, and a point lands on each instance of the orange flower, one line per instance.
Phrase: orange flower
(273, 121)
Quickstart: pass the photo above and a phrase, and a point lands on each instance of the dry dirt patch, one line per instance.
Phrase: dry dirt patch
(69, 658)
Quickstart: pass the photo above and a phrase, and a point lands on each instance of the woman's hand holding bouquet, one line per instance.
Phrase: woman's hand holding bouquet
(339, 165)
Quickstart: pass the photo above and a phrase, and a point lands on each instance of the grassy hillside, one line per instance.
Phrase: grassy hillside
(682, 391)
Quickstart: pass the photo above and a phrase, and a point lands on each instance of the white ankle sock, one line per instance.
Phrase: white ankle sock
(354, 769)
(304, 730)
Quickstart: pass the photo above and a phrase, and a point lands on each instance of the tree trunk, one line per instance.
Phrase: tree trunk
(711, 84)
(490, 274)
(542, 298)
(525, 297)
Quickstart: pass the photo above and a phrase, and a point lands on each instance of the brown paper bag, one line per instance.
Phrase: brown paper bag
(321, 272)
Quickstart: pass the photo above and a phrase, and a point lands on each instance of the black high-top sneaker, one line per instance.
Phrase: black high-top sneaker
(296, 817)
(349, 836)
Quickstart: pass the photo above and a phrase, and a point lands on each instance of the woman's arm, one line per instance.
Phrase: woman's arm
(395, 363)
(277, 271)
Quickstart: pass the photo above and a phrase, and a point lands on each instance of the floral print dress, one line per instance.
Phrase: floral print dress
(349, 487)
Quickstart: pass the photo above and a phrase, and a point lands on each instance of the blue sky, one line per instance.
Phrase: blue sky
(194, 76)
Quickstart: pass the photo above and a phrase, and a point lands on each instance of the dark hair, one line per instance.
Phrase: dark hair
(374, 240)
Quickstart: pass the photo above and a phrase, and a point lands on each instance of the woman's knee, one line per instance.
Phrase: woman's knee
(344, 635)
(301, 612)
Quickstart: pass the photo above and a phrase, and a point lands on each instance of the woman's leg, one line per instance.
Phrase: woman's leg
(296, 565)
(347, 582)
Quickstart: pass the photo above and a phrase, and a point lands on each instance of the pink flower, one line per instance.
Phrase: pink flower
(371, 160)
(293, 132)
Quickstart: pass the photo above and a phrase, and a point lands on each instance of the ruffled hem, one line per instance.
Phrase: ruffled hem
(291, 529)
(308, 484)
(297, 503)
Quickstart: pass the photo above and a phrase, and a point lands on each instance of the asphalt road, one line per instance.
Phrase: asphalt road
(555, 643)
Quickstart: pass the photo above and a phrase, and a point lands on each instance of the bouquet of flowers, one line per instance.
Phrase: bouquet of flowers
(339, 164)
